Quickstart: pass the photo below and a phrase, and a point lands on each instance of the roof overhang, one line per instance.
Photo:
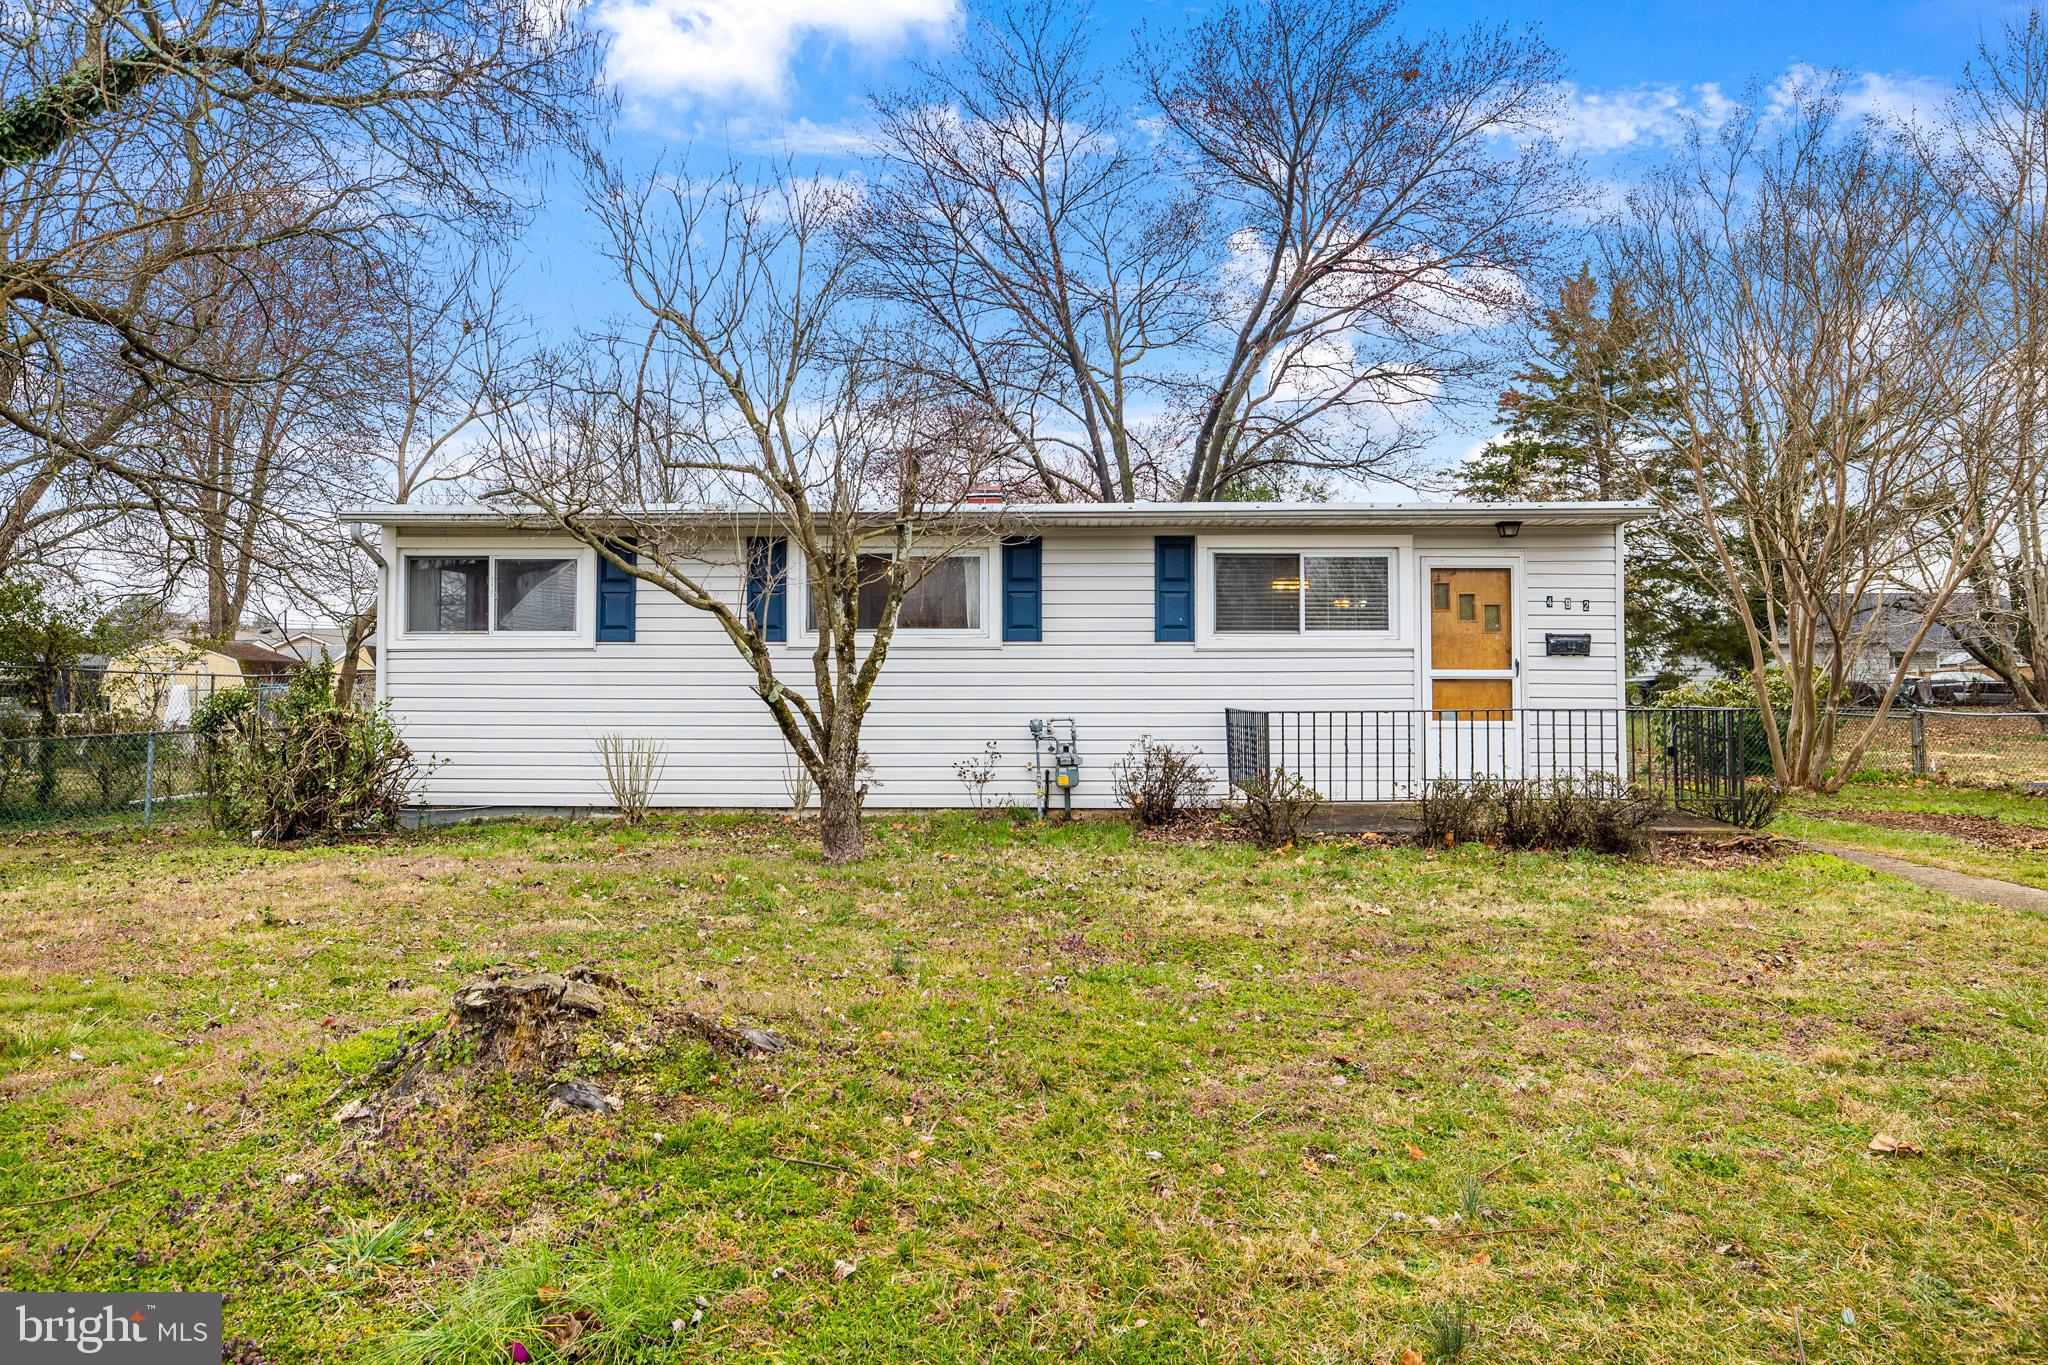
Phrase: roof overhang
(1164, 515)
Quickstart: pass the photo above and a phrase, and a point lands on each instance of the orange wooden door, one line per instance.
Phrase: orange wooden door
(1471, 630)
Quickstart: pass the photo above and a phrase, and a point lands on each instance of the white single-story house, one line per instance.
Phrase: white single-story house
(1360, 633)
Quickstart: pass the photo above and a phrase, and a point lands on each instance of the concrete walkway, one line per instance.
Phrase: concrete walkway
(1989, 890)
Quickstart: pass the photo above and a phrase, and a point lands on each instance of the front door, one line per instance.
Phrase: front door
(1471, 644)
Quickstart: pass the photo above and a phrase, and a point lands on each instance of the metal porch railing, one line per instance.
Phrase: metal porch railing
(1711, 761)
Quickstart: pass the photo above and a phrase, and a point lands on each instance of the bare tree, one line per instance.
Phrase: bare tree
(456, 364)
(1990, 156)
(1383, 197)
(130, 130)
(458, 353)
(255, 471)
(750, 401)
(1814, 295)
(1020, 212)
(1256, 263)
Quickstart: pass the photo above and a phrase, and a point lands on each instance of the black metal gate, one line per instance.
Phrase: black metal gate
(1713, 761)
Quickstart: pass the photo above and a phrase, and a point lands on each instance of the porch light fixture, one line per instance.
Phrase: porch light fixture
(1508, 530)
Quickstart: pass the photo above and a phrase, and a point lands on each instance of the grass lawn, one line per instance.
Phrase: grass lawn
(1991, 832)
(1053, 1093)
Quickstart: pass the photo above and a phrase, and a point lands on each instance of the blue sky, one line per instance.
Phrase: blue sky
(698, 76)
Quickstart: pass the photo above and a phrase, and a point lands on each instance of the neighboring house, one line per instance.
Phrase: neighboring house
(506, 653)
(311, 644)
(167, 678)
(1886, 623)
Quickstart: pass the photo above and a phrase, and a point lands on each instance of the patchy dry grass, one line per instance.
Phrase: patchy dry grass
(1051, 1092)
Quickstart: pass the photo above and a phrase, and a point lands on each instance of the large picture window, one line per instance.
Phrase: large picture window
(1292, 594)
(945, 596)
(524, 594)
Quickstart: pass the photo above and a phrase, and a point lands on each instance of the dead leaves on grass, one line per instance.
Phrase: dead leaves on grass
(1884, 1144)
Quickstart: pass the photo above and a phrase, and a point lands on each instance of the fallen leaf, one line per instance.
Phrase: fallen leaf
(1886, 1145)
(1409, 1356)
(1415, 1153)
(842, 1269)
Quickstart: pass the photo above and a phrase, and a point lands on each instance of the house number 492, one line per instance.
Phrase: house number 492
(1585, 603)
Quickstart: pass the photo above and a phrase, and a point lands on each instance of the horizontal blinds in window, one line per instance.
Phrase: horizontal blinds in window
(1258, 593)
(1345, 593)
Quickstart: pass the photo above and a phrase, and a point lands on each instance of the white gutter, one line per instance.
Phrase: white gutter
(1022, 515)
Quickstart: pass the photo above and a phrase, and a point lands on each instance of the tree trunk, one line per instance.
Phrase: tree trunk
(352, 646)
(840, 793)
(839, 820)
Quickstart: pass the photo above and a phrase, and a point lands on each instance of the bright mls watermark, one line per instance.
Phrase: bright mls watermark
(129, 1329)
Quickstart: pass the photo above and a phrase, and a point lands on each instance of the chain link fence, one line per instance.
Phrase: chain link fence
(89, 747)
(1967, 746)
(81, 781)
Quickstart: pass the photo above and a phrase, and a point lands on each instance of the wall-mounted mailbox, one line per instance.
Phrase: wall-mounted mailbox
(1567, 646)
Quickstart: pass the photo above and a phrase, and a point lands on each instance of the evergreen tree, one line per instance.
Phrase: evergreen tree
(1580, 426)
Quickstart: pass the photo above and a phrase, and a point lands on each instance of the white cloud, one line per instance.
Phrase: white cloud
(724, 48)
(804, 137)
(1894, 99)
(1659, 115)
(1610, 120)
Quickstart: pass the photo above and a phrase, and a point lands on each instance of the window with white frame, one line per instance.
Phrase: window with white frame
(490, 594)
(945, 593)
(1285, 593)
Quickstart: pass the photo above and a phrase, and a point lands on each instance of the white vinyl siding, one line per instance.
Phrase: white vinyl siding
(496, 725)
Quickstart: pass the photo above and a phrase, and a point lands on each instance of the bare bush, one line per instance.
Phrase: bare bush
(1458, 812)
(1599, 813)
(976, 774)
(1160, 783)
(798, 784)
(1277, 807)
(632, 770)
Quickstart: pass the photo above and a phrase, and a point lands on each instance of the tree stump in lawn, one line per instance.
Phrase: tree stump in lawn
(525, 1023)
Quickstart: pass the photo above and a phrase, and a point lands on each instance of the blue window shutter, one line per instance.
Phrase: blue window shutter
(617, 598)
(1173, 588)
(768, 586)
(1023, 588)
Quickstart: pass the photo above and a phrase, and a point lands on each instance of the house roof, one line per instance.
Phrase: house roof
(1889, 621)
(1199, 515)
(244, 652)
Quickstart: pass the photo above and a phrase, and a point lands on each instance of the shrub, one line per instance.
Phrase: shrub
(1276, 807)
(1598, 812)
(1756, 807)
(1458, 812)
(1615, 818)
(977, 774)
(798, 784)
(1160, 783)
(632, 769)
(1739, 690)
(113, 764)
(303, 766)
